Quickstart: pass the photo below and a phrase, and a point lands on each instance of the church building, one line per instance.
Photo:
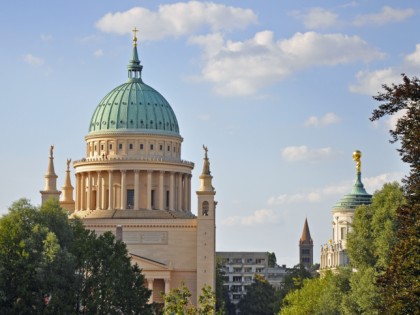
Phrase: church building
(333, 254)
(306, 247)
(134, 183)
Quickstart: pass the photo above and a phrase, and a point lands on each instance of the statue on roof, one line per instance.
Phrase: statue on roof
(205, 151)
(357, 158)
(51, 151)
(68, 163)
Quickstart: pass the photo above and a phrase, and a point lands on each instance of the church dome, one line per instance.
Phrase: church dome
(134, 107)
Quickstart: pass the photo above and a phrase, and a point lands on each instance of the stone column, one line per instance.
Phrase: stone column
(77, 201)
(103, 193)
(189, 192)
(149, 190)
(172, 191)
(110, 191)
(98, 191)
(185, 199)
(150, 287)
(167, 285)
(123, 189)
(179, 195)
(89, 193)
(136, 190)
(161, 205)
(83, 192)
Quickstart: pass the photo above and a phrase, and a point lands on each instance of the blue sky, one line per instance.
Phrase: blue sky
(279, 91)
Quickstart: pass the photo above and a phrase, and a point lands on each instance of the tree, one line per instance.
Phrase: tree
(51, 265)
(223, 303)
(272, 260)
(320, 296)
(374, 229)
(177, 302)
(260, 298)
(400, 287)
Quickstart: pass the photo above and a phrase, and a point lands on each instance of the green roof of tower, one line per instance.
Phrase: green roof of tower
(134, 107)
(357, 197)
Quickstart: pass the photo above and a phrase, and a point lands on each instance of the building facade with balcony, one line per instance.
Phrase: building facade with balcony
(240, 268)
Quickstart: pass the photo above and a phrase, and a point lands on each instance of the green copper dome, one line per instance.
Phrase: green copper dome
(357, 197)
(134, 107)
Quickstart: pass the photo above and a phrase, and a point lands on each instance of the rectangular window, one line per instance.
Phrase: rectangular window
(237, 269)
(110, 146)
(174, 149)
(120, 146)
(259, 270)
(259, 260)
(102, 147)
(141, 146)
(153, 198)
(161, 147)
(247, 269)
(130, 198)
(237, 279)
(130, 146)
(343, 233)
(169, 148)
(151, 147)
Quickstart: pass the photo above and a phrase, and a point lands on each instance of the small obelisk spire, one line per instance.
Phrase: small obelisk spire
(50, 190)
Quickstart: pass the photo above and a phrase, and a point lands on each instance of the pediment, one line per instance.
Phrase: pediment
(148, 264)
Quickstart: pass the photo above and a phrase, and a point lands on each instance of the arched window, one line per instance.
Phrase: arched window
(205, 207)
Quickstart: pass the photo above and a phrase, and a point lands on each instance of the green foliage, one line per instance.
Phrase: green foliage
(260, 298)
(318, 296)
(177, 302)
(50, 265)
(369, 244)
(363, 298)
(223, 303)
(374, 229)
(399, 284)
(272, 260)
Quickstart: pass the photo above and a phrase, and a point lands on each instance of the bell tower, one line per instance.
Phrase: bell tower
(206, 229)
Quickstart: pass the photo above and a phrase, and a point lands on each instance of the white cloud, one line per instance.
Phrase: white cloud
(387, 15)
(33, 60)
(204, 117)
(327, 119)
(303, 153)
(370, 82)
(294, 198)
(414, 58)
(244, 67)
(262, 216)
(391, 122)
(177, 19)
(317, 18)
(371, 184)
(376, 182)
(98, 53)
(46, 37)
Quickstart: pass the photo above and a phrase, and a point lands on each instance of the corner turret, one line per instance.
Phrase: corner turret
(67, 201)
(206, 228)
(50, 190)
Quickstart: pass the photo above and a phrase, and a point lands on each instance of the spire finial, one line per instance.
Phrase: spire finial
(51, 151)
(205, 151)
(357, 158)
(135, 30)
